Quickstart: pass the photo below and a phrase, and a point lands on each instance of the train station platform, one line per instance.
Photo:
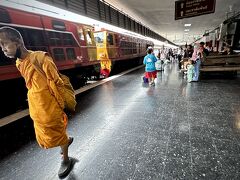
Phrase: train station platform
(124, 129)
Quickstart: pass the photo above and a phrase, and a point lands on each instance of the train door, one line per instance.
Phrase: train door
(117, 45)
(139, 48)
(102, 52)
(111, 45)
(83, 44)
(100, 44)
(91, 44)
(134, 46)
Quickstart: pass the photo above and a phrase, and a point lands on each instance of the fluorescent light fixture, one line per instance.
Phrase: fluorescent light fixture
(48, 10)
(187, 25)
(185, 33)
(186, 30)
(33, 6)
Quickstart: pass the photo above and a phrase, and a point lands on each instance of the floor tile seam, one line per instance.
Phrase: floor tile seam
(134, 173)
(85, 170)
(177, 158)
(213, 144)
(216, 161)
(220, 124)
(212, 138)
(238, 141)
(199, 129)
(218, 151)
(190, 143)
(75, 155)
(227, 139)
(85, 155)
(182, 146)
(167, 145)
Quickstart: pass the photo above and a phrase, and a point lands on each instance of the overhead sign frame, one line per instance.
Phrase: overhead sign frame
(191, 8)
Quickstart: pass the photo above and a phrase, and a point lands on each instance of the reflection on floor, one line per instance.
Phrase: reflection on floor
(127, 130)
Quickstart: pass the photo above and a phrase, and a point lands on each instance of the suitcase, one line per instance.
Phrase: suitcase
(145, 80)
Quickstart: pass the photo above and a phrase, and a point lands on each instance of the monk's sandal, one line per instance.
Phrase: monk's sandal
(65, 168)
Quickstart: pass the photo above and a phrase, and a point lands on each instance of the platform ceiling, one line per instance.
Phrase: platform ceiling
(159, 15)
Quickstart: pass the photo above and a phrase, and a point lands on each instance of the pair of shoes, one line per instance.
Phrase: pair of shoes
(65, 168)
(70, 140)
(152, 84)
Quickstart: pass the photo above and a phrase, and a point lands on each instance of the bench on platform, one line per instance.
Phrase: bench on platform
(221, 63)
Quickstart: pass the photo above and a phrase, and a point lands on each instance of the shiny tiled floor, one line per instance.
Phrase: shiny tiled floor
(127, 130)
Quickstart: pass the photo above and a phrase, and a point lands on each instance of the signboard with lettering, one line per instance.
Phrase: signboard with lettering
(190, 8)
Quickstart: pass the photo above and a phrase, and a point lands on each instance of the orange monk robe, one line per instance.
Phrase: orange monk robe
(45, 102)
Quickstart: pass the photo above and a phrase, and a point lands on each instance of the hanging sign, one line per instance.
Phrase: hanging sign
(190, 8)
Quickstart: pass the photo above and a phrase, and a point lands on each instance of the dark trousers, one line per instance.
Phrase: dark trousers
(179, 59)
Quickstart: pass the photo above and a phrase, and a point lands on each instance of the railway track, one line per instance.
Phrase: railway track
(23, 113)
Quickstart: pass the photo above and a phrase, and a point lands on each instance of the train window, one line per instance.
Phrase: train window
(68, 40)
(110, 39)
(35, 37)
(4, 16)
(80, 34)
(122, 43)
(99, 37)
(89, 39)
(32, 48)
(54, 39)
(58, 25)
(116, 40)
(58, 54)
(71, 54)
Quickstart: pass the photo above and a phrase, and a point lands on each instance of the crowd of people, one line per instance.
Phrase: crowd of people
(195, 55)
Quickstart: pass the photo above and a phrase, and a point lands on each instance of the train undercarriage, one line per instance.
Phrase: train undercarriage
(14, 92)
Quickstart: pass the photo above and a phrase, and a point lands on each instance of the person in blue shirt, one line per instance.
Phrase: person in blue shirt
(150, 69)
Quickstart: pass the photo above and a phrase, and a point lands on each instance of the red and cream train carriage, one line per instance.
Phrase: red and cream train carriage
(73, 48)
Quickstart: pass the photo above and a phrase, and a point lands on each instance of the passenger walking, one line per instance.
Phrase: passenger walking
(45, 95)
(150, 69)
(179, 56)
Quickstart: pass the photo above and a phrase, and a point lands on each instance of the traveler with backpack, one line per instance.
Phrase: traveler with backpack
(150, 69)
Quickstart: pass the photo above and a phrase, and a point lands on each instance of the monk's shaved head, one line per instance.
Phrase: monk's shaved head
(12, 34)
(11, 42)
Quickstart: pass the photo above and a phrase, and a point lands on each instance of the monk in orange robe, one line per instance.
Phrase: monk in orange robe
(44, 95)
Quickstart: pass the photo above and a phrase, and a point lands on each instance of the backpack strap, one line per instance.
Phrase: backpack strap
(37, 60)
